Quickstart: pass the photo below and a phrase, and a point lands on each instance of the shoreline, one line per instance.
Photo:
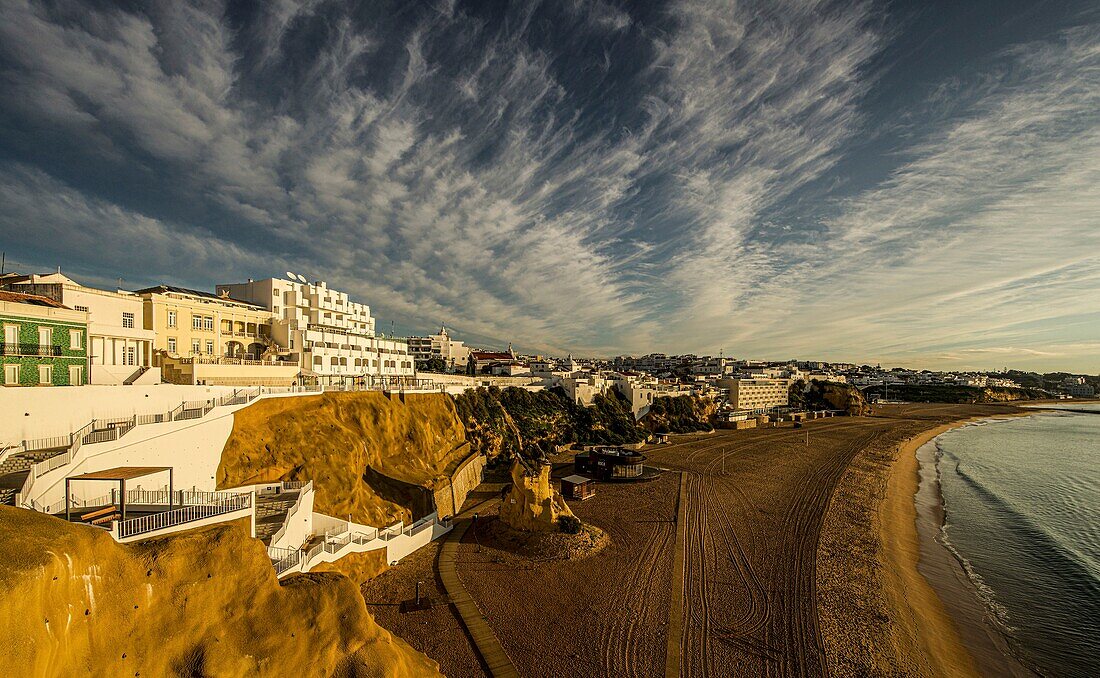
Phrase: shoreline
(946, 617)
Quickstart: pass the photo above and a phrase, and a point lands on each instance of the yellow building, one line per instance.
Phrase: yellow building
(203, 338)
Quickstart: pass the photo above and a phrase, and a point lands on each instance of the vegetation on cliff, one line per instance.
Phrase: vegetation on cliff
(680, 414)
(945, 393)
(201, 603)
(828, 395)
(515, 420)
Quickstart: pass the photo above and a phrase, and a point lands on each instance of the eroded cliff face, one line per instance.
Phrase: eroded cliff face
(374, 458)
(73, 602)
(532, 504)
(680, 414)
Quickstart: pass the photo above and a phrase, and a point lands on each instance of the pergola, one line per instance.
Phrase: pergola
(120, 474)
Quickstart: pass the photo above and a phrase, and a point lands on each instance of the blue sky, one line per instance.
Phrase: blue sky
(905, 183)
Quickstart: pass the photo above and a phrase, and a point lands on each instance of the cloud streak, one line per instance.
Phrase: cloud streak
(592, 176)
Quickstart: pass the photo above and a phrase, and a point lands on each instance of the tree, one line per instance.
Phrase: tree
(433, 364)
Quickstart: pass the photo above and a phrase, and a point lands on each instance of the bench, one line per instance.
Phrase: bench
(90, 517)
(107, 519)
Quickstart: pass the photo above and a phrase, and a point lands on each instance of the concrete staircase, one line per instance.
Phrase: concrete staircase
(271, 513)
(10, 484)
(135, 376)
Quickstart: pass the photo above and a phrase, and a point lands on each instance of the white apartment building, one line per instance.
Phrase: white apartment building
(453, 353)
(329, 335)
(757, 395)
(120, 343)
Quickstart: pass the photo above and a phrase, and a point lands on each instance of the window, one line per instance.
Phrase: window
(171, 344)
(317, 360)
(11, 375)
(128, 320)
(131, 355)
(196, 347)
(196, 322)
(210, 347)
(76, 375)
(171, 318)
(81, 308)
(45, 375)
(208, 323)
(45, 336)
(76, 340)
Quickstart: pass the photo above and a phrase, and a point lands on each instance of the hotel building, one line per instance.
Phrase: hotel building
(757, 395)
(329, 335)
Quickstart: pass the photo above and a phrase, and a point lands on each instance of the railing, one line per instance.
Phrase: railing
(187, 514)
(283, 559)
(291, 514)
(117, 427)
(29, 349)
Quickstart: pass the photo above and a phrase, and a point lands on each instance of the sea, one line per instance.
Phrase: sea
(1022, 515)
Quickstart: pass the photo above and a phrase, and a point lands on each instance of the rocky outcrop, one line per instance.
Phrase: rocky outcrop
(532, 504)
(680, 414)
(501, 423)
(829, 395)
(73, 602)
(374, 458)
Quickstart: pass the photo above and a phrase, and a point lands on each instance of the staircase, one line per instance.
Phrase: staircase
(10, 484)
(271, 514)
(135, 376)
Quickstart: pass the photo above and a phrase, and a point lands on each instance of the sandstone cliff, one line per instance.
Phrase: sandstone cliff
(375, 458)
(532, 504)
(203, 603)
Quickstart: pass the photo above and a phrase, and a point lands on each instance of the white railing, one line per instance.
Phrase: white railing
(292, 514)
(187, 514)
(115, 428)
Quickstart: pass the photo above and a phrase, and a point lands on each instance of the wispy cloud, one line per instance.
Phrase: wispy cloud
(589, 176)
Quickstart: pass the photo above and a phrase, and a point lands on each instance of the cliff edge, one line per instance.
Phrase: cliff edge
(373, 457)
(205, 602)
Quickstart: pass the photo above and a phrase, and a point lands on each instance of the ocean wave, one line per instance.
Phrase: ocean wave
(1046, 544)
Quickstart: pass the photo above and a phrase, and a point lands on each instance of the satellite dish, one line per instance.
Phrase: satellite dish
(290, 275)
(302, 278)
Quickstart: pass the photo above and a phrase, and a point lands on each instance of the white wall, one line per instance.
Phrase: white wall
(192, 447)
(42, 412)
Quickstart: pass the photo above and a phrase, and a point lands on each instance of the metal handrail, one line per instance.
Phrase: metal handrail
(180, 516)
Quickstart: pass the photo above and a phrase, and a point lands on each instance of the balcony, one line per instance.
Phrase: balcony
(30, 349)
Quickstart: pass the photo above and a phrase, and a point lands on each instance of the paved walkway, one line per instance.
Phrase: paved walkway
(485, 641)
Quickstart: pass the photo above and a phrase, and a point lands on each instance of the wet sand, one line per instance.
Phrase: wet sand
(986, 644)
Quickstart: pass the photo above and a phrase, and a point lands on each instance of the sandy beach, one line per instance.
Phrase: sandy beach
(801, 556)
(913, 611)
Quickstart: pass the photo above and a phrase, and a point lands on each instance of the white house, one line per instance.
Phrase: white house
(120, 347)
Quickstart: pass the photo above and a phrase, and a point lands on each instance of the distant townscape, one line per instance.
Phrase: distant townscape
(290, 331)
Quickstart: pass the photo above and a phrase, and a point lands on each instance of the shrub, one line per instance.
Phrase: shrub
(569, 524)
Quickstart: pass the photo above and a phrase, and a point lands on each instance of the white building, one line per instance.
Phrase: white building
(120, 347)
(454, 354)
(331, 336)
(757, 395)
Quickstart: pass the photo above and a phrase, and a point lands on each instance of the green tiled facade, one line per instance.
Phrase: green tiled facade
(23, 354)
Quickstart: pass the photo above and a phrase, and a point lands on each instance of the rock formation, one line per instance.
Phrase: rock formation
(73, 602)
(377, 459)
(532, 503)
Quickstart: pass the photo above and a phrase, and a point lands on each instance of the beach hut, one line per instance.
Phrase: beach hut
(577, 487)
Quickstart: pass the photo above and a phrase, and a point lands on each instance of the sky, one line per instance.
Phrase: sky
(908, 183)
